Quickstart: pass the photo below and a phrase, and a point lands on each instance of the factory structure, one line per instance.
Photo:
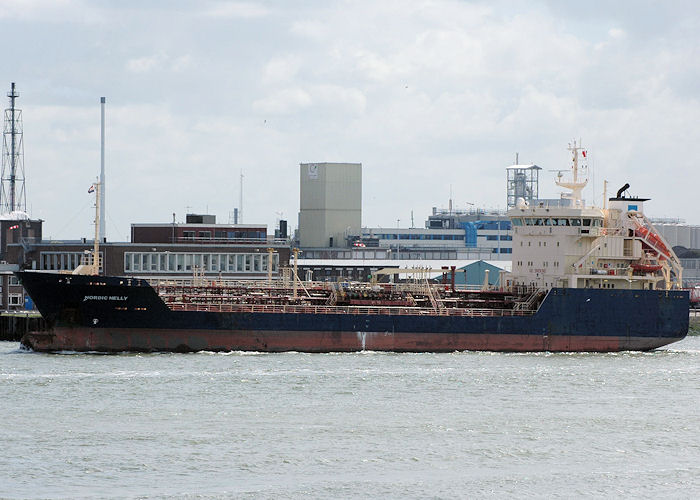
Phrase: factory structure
(334, 245)
(330, 222)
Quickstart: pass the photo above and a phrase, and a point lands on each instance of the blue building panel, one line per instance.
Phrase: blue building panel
(470, 233)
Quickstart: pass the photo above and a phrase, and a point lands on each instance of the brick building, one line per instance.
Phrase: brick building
(17, 233)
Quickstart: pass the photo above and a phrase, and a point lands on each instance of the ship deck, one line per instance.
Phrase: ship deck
(348, 298)
(307, 309)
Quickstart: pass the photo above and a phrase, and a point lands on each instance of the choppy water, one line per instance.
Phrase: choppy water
(365, 425)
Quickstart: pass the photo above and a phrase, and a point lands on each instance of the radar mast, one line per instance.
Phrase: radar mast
(576, 184)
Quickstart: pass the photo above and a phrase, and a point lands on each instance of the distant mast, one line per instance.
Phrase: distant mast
(13, 197)
(102, 171)
(240, 202)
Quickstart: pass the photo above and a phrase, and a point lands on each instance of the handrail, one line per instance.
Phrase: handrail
(530, 301)
(354, 310)
(281, 284)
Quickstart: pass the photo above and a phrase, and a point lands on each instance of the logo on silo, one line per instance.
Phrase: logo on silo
(313, 171)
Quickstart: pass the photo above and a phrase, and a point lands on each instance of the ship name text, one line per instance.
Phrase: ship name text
(105, 297)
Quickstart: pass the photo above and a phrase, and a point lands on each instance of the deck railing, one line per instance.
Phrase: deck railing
(281, 284)
(354, 310)
(259, 296)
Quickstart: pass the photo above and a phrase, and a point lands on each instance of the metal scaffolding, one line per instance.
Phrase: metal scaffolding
(523, 183)
(12, 193)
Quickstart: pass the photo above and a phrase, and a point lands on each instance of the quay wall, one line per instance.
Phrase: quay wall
(15, 324)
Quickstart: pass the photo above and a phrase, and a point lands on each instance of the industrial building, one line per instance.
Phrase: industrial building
(484, 230)
(331, 212)
(201, 229)
(156, 260)
(522, 184)
(678, 234)
(152, 254)
(330, 203)
(470, 272)
(397, 251)
(685, 241)
(387, 237)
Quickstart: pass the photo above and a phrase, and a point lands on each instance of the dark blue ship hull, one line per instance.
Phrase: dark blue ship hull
(112, 314)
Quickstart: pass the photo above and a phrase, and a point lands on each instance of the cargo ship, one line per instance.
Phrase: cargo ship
(583, 279)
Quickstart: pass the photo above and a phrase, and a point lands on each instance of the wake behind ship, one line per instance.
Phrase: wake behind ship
(583, 279)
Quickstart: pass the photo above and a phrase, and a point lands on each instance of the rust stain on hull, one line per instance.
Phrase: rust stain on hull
(150, 340)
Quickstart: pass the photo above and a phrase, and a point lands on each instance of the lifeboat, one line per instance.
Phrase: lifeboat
(646, 268)
(653, 239)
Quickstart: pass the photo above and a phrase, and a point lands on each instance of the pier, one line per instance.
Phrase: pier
(14, 324)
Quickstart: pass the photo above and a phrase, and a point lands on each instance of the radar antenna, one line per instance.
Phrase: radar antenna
(560, 173)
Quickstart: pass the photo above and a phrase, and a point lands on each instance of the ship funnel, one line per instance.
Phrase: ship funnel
(622, 190)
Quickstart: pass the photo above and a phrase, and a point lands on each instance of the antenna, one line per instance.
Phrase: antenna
(240, 201)
(605, 195)
(591, 173)
(12, 197)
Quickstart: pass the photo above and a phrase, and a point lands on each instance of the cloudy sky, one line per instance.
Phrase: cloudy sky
(430, 96)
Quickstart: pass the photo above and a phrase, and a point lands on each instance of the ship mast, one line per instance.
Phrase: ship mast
(90, 263)
(575, 184)
(96, 246)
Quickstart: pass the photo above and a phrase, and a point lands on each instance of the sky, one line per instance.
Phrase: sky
(432, 97)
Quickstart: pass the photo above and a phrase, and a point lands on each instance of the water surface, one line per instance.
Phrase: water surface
(364, 425)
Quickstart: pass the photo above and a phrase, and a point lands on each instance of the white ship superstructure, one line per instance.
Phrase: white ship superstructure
(574, 246)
